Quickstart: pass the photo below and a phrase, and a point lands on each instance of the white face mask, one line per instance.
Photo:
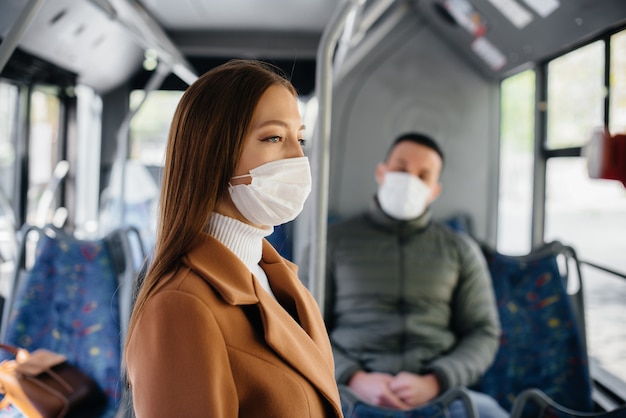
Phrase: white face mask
(277, 192)
(402, 195)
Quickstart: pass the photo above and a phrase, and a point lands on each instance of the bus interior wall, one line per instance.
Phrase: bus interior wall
(414, 81)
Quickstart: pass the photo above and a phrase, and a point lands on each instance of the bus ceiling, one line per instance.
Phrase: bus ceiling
(500, 37)
(104, 42)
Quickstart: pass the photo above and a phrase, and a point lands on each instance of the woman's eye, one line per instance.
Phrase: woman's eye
(272, 139)
(302, 142)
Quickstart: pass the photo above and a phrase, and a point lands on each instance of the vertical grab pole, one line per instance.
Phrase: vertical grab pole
(160, 73)
(324, 86)
(17, 30)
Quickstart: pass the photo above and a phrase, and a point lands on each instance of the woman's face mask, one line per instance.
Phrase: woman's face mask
(277, 192)
(403, 196)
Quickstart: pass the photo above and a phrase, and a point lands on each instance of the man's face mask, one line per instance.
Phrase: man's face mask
(277, 192)
(403, 196)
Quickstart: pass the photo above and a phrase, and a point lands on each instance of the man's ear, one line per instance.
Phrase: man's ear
(381, 169)
(436, 191)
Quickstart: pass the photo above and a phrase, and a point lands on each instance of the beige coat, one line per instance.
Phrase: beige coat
(213, 343)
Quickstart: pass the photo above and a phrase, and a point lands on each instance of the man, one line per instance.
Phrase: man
(409, 307)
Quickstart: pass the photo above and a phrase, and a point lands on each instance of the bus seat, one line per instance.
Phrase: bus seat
(282, 240)
(534, 403)
(353, 407)
(542, 344)
(74, 300)
(138, 208)
(460, 222)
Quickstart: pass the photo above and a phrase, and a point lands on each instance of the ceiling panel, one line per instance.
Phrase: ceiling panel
(277, 15)
(500, 37)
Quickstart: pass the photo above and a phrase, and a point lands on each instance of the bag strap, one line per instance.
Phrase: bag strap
(21, 354)
(9, 348)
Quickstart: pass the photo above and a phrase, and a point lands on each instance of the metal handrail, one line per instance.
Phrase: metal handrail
(150, 35)
(321, 146)
(155, 81)
(12, 39)
(46, 201)
(605, 269)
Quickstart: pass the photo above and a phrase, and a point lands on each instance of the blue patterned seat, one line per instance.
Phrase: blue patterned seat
(69, 302)
(542, 345)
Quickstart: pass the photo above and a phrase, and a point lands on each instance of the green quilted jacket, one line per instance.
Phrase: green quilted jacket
(408, 296)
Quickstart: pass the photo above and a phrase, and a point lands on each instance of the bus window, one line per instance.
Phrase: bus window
(8, 115)
(147, 141)
(150, 126)
(43, 148)
(575, 96)
(590, 214)
(617, 109)
(516, 163)
(8, 226)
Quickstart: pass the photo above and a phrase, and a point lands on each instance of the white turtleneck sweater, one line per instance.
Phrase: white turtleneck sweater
(246, 241)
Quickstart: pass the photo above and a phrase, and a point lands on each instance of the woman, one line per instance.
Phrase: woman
(222, 326)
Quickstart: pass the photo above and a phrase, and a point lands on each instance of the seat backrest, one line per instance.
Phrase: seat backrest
(70, 301)
(541, 344)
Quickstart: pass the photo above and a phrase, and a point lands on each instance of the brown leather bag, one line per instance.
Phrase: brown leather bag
(42, 384)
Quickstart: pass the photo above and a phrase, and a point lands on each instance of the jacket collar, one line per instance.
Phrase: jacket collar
(403, 228)
(293, 328)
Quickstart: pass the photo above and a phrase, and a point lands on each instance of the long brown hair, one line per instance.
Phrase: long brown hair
(204, 146)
